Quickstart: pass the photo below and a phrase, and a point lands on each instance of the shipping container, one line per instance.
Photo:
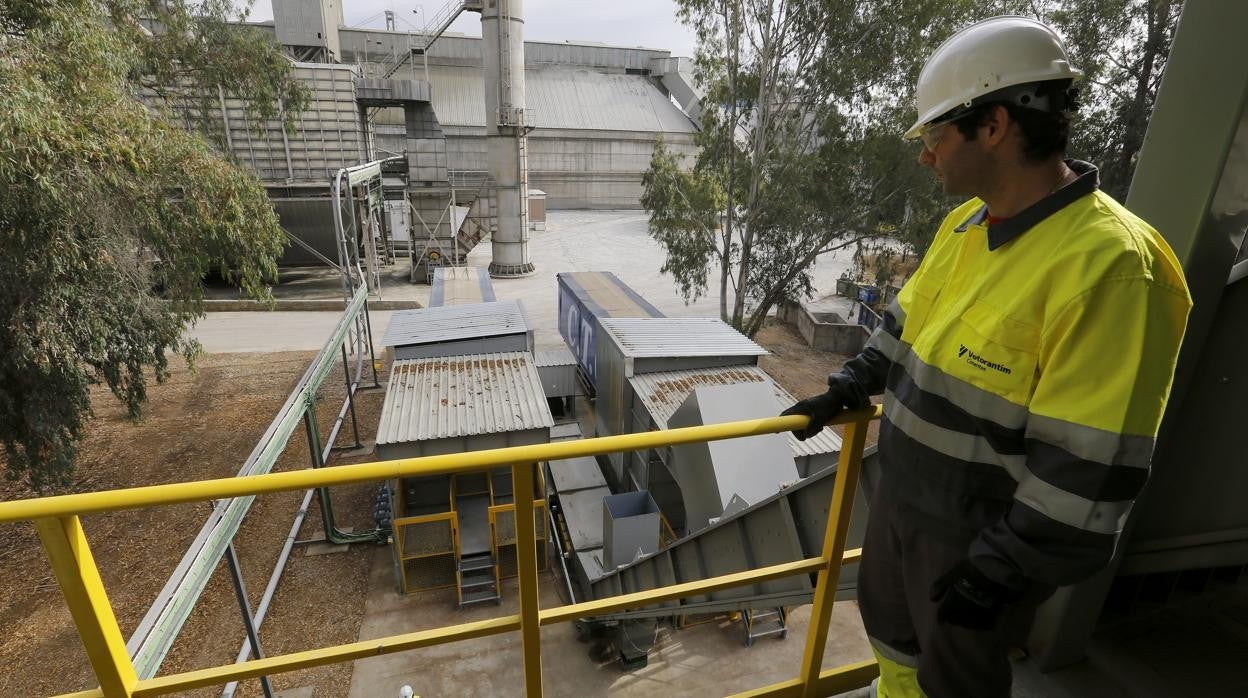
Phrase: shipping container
(585, 298)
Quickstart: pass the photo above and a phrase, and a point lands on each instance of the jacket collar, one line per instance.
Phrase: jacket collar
(1087, 182)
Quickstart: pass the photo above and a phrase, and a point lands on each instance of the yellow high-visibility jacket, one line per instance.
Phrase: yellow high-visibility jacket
(1026, 365)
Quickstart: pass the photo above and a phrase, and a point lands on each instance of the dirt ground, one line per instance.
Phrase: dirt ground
(799, 369)
(202, 425)
(198, 425)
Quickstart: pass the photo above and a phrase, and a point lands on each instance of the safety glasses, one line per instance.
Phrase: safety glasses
(932, 133)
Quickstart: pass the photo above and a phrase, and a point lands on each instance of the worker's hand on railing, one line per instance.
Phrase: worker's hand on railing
(843, 394)
(970, 599)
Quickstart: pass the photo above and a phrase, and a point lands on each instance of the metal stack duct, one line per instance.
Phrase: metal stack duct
(720, 478)
(502, 32)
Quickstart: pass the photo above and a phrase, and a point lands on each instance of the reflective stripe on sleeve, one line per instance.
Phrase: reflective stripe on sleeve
(1071, 509)
(955, 444)
(1090, 443)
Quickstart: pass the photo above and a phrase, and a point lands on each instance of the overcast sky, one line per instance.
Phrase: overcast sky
(649, 23)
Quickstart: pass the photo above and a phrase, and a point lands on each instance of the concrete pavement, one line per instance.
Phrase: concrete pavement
(614, 241)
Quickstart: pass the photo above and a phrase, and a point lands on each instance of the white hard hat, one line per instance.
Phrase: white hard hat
(986, 57)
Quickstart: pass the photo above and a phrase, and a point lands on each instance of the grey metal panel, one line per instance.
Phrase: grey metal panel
(460, 444)
(463, 396)
(785, 527)
(501, 344)
(688, 564)
(563, 432)
(575, 474)
(327, 136)
(679, 338)
(724, 552)
(582, 510)
(446, 323)
(773, 539)
(559, 97)
(559, 380)
(590, 562)
(309, 220)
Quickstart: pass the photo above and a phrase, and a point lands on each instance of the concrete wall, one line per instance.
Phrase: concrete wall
(576, 169)
(825, 331)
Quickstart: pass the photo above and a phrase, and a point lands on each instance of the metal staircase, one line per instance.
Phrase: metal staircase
(761, 623)
(477, 576)
(418, 44)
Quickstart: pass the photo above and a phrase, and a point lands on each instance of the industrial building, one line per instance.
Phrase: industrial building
(573, 126)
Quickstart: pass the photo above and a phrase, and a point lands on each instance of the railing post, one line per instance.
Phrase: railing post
(75, 570)
(526, 563)
(833, 550)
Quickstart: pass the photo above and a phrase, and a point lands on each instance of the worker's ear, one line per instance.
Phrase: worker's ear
(994, 126)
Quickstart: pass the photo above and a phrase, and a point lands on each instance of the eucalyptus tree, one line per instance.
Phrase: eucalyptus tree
(800, 151)
(111, 212)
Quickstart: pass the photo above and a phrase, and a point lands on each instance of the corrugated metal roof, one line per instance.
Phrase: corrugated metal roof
(562, 98)
(664, 391)
(451, 322)
(462, 396)
(678, 337)
(554, 357)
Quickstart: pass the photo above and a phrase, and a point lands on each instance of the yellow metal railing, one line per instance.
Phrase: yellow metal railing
(60, 528)
(425, 539)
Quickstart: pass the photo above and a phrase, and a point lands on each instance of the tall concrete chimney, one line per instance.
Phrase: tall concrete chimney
(502, 34)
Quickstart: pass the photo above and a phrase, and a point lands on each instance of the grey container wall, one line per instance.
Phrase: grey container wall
(615, 395)
(630, 527)
(584, 299)
(558, 371)
(500, 344)
(462, 444)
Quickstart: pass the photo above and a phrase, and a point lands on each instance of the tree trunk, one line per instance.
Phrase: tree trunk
(762, 106)
(725, 261)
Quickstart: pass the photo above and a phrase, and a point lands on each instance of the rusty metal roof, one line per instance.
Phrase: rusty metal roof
(445, 397)
(664, 391)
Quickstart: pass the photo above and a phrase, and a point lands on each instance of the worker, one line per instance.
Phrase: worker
(1024, 366)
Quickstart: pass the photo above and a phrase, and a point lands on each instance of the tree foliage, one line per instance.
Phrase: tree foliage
(804, 105)
(111, 213)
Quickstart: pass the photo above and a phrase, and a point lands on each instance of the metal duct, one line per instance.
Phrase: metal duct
(502, 31)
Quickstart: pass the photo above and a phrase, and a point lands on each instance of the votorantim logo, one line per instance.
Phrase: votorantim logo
(980, 362)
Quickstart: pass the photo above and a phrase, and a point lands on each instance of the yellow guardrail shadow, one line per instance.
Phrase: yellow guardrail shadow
(60, 529)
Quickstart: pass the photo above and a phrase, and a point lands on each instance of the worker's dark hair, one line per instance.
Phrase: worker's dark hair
(1045, 133)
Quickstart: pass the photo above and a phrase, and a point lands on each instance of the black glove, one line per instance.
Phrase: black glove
(843, 393)
(970, 599)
